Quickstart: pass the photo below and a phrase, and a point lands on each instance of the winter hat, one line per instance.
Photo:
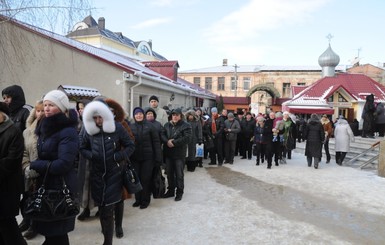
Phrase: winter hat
(177, 111)
(214, 109)
(230, 115)
(138, 110)
(59, 98)
(4, 108)
(153, 97)
(314, 116)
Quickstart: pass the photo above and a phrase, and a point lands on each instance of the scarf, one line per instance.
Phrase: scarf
(214, 125)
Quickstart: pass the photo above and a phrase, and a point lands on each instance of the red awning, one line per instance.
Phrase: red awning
(311, 111)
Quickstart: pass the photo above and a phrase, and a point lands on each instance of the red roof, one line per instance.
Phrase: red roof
(165, 63)
(166, 68)
(357, 85)
(297, 89)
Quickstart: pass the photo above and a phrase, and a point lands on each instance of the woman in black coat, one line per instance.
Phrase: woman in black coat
(57, 144)
(146, 155)
(315, 136)
(11, 186)
(107, 145)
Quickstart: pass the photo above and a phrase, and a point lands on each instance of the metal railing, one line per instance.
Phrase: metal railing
(370, 161)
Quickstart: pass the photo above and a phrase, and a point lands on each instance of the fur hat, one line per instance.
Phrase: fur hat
(153, 97)
(59, 98)
(97, 108)
(4, 108)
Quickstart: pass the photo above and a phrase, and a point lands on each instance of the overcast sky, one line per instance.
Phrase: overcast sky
(201, 33)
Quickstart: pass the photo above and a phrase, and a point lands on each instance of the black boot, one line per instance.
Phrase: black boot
(309, 161)
(107, 223)
(24, 225)
(179, 194)
(119, 209)
(84, 215)
(169, 193)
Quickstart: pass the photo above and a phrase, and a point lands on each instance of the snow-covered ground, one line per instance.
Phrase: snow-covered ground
(248, 204)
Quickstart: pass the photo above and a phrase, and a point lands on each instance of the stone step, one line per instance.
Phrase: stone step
(360, 145)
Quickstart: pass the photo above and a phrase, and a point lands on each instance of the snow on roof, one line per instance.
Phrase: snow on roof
(358, 86)
(125, 63)
(80, 91)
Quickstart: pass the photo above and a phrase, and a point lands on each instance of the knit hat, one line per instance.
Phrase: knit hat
(153, 97)
(214, 109)
(4, 108)
(138, 110)
(230, 115)
(59, 98)
(177, 111)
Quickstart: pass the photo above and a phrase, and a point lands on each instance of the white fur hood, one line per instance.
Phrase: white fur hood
(98, 108)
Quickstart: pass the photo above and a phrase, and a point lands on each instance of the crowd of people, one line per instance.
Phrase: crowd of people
(90, 145)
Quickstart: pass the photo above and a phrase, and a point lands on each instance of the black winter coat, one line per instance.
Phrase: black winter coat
(11, 154)
(247, 128)
(147, 142)
(107, 153)
(58, 143)
(18, 110)
(315, 136)
(181, 134)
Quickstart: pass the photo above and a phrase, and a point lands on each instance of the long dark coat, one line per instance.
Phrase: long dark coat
(315, 136)
(107, 151)
(11, 154)
(196, 135)
(58, 143)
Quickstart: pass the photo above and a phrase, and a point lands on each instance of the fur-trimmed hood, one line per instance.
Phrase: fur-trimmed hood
(98, 108)
(192, 113)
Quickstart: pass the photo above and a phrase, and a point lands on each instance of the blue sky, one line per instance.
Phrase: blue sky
(201, 33)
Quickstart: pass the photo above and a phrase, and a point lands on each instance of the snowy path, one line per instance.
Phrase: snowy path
(248, 204)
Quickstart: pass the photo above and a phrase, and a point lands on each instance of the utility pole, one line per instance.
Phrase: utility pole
(236, 79)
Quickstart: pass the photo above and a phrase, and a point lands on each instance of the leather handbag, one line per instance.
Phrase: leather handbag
(131, 179)
(158, 182)
(51, 204)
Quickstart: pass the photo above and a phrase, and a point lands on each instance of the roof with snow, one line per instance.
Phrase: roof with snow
(93, 29)
(122, 62)
(358, 86)
(78, 91)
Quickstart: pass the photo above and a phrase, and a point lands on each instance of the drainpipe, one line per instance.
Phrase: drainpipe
(132, 92)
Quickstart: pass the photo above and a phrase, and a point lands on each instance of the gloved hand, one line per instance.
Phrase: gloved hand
(30, 173)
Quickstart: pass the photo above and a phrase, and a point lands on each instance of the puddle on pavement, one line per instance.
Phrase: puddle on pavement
(341, 221)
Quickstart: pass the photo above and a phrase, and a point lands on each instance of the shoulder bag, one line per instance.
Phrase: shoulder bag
(51, 204)
(131, 179)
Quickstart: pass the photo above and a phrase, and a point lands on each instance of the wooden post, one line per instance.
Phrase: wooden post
(381, 160)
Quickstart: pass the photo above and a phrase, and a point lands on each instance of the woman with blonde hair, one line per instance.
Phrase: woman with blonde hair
(30, 154)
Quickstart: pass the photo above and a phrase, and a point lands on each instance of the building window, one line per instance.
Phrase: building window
(208, 83)
(233, 83)
(286, 90)
(341, 98)
(197, 81)
(246, 83)
(221, 84)
(330, 99)
(301, 84)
